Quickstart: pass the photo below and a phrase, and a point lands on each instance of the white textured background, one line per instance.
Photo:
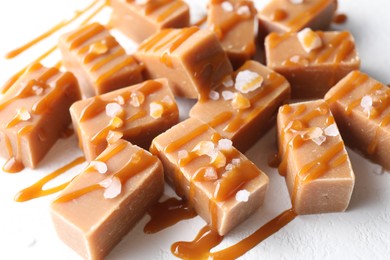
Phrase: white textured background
(363, 232)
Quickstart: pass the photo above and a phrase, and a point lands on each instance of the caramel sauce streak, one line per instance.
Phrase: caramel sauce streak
(120, 65)
(173, 8)
(356, 79)
(118, 53)
(302, 18)
(351, 105)
(147, 45)
(52, 30)
(167, 213)
(81, 36)
(36, 190)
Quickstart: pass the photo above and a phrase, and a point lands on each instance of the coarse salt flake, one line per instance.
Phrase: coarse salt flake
(120, 100)
(23, 114)
(214, 95)
(229, 167)
(331, 130)
(37, 90)
(106, 182)
(210, 174)
(227, 6)
(242, 196)
(366, 103)
(114, 189)
(227, 95)
(137, 99)
(236, 161)
(247, 81)
(156, 110)
(309, 40)
(113, 136)
(296, 2)
(100, 166)
(244, 10)
(225, 145)
(240, 102)
(228, 81)
(319, 140)
(113, 109)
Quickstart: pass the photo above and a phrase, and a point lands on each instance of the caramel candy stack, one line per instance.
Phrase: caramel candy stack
(33, 114)
(234, 24)
(361, 106)
(315, 163)
(294, 15)
(137, 113)
(312, 61)
(140, 19)
(220, 182)
(244, 107)
(104, 202)
(192, 59)
(97, 60)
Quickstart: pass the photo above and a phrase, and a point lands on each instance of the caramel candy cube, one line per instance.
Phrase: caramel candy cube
(97, 60)
(361, 106)
(234, 24)
(192, 59)
(105, 201)
(34, 112)
(294, 15)
(137, 113)
(312, 61)
(317, 168)
(244, 107)
(221, 183)
(140, 19)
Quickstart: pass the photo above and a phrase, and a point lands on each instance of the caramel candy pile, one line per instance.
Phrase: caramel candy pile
(129, 100)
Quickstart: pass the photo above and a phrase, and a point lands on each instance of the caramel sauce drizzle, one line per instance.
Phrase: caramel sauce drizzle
(36, 190)
(167, 213)
(77, 38)
(303, 18)
(279, 15)
(232, 18)
(172, 9)
(275, 81)
(136, 164)
(318, 167)
(17, 75)
(52, 30)
(207, 239)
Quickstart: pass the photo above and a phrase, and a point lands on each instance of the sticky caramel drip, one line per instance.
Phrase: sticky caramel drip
(95, 107)
(36, 190)
(77, 38)
(168, 213)
(207, 239)
(240, 120)
(52, 30)
(340, 46)
(303, 18)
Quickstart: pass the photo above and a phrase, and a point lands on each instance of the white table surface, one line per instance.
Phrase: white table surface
(362, 232)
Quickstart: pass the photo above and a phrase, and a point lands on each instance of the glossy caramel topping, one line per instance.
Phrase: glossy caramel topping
(340, 18)
(279, 15)
(297, 22)
(36, 190)
(168, 213)
(207, 239)
(169, 6)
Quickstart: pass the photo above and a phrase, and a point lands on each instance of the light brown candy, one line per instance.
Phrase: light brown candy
(361, 106)
(97, 60)
(294, 15)
(221, 183)
(104, 202)
(317, 168)
(312, 61)
(234, 24)
(140, 19)
(137, 113)
(192, 59)
(33, 114)
(244, 107)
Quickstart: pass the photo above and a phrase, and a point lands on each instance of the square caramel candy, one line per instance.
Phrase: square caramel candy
(294, 15)
(105, 201)
(193, 60)
(137, 113)
(244, 107)
(97, 60)
(361, 106)
(314, 161)
(140, 19)
(234, 24)
(312, 61)
(34, 112)
(221, 183)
